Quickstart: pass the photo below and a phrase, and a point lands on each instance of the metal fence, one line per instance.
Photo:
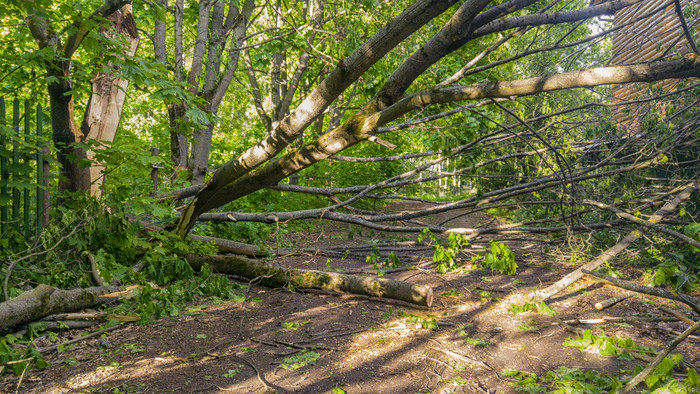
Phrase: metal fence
(24, 169)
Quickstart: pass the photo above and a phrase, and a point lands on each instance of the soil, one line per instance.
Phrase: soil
(364, 345)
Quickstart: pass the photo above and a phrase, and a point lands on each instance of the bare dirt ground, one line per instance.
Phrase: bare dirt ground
(364, 345)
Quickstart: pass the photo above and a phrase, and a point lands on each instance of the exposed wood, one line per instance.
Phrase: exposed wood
(45, 300)
(104, 109)
(692, 302)
(96, 271)
(676, 315)
(275, 276)
(614, 300)
(616, 249)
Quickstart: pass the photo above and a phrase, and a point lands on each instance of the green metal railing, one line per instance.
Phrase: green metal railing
(22, 154)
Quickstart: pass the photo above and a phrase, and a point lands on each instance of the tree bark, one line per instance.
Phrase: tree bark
(274, 276)
(75, 175)
(45, 300)
(104, 110)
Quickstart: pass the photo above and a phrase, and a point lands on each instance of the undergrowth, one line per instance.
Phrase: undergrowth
(125, 254)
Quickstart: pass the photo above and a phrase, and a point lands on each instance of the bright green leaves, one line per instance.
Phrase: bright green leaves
(307, 357)
(18, 360)
(501, 258)
(445, 253)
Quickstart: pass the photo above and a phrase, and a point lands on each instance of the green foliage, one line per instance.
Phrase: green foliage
(428, 323)
(306, 357)
(564, 380)
(17, 360)
(673, 265)
(622, 348)
(444, 254)
(501, 258)
(294, 325)
(542, 307)
(231, 373)
(392, 261)
(477, 342)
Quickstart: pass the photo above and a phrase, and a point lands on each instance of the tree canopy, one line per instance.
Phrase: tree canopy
(268, 113)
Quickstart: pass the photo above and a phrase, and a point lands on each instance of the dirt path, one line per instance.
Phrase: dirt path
(359, 345)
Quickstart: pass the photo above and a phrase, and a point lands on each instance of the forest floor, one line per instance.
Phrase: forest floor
(359, 344)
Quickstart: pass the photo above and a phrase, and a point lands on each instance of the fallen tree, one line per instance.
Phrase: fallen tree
(45, 300)
(617, 248)
(275, 276)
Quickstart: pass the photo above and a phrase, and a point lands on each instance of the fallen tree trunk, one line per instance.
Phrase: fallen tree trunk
(45, 300)
(617, 249)
(343, 283)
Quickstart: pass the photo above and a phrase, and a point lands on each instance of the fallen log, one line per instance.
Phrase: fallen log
(612, 252)
(614, 300)
(45, 300)
(274, 276)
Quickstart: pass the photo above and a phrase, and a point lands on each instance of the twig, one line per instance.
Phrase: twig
(649, 368)
(340, 334)
(614, 300)
(684, 25)
(21, 377)
(676, 315)
(268, 385)
(625, 319)
(310, 347)
(464, 358)
(674, 332)
(80, 339)
(655, 291)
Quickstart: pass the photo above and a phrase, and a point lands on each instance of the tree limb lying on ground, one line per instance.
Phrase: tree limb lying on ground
(617, 248)
(692, 302)
(276, 276)
(45, 300)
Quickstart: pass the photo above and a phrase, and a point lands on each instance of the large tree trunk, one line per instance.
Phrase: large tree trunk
(199, 161)
(362, 125)
(104, 109)
(274, 276)
(73, 176)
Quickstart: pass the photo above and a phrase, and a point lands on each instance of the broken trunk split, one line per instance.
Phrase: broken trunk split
(274, 276)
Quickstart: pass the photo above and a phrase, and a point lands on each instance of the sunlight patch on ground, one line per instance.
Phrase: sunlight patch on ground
(137, 369)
